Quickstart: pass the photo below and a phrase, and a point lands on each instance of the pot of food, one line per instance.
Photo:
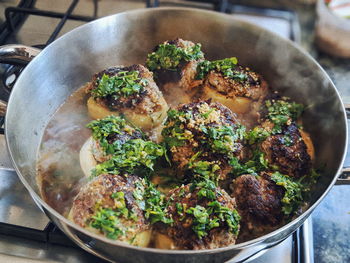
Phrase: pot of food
(194, 157)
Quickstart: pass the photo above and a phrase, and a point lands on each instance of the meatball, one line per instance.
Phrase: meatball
(203, 137)
(175, 66)
(287, 151)
(233, 85)
(259, 204)
(109, 134)
(130, 91)
(107, 206)
(203, 218)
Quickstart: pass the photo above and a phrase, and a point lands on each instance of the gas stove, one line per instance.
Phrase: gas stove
(27, 235)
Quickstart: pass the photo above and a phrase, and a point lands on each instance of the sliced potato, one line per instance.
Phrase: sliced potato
(236, 104)
(142, 120)
(98, 111)
(163, 242)
(142, 239)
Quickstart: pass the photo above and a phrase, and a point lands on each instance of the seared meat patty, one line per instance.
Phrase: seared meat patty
(287, 151)
(130, 91)
(203, 135)
(175, 61)
(110, 134)
(107, 206)
(233, 85)
(199, 222)
(258, 202)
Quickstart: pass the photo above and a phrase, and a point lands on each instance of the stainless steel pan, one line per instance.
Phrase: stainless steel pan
(126, 38)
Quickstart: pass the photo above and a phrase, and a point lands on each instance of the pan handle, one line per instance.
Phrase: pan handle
(18, 55)
(344, 177)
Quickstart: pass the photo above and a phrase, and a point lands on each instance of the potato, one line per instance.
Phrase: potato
(163, 242)
(236, 104)
(143, 120)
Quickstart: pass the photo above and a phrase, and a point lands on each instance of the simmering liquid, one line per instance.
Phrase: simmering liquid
(59, 174)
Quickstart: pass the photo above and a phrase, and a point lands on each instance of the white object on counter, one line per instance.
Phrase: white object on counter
(332, 32)
(340, 7)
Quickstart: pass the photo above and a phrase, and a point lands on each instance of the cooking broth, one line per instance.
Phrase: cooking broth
(59, 174)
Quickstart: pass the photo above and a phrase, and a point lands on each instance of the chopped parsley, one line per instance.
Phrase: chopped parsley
(293, 196)
(174, 132)
(104, 128)
(212, 214)
(222, 139)
(204, 169)
(256, 135)
(123, 84)
(134, 156)
(254, 166)
(151, 201)
(227, 67)
(108, 220)
(280, 112)
(169, 56)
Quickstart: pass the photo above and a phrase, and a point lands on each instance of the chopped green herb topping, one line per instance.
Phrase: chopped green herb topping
(213, 214)
(293, 197)
(206, 188)
(254, 166)
(223, 139)
(256, 135)
(102, 129)
(123, 84)
(108, 220)
(134, 156)
(280, 112)
(151, 201)
(169, 56)
(227, 67)
(204, 169)
(174, 134)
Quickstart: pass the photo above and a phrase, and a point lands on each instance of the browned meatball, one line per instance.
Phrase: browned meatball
(200, 222)
(174, 63)
(109, 133)
(253, 86)
(203, 132)
(259, 204)
(242, 91)
(134, 94)
(107, 206)
(287, 151)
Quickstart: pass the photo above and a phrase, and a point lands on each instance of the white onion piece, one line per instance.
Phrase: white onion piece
(87, 160)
